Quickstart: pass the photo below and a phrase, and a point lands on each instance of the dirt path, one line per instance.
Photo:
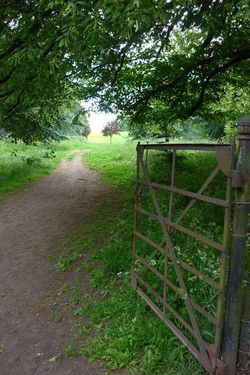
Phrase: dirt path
(33, 223)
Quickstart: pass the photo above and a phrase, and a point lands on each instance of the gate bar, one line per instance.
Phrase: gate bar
(184, 146)
(233, 305)
(173, 189)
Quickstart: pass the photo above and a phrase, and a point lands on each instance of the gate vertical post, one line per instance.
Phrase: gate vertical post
(244, 344)
(236, 269)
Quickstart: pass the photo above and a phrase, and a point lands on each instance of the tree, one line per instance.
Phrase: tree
(176, 60)
(233, 104)
(110, 129)
(74, 121)
(122, 122)
(86, 130)
(165, 59)
(33, 88)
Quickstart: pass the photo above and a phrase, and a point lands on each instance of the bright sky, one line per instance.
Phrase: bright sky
(97, 121)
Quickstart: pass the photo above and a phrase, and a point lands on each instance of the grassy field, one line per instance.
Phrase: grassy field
(98, 138)
(123, 330)
(20, 164)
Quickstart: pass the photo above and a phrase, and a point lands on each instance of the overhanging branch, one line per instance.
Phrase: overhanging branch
(235, 57)
(242, 56)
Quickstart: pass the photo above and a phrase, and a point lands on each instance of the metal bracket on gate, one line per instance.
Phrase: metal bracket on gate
(223, 156)
(237, 178)
(220, 367)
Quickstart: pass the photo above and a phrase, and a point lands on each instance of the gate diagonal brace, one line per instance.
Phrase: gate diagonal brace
(204, 354)
(192, 202)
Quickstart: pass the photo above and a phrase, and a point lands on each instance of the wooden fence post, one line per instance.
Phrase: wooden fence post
(241, 180)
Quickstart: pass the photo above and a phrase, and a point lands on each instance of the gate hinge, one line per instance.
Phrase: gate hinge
(220, 367)
(237, 178)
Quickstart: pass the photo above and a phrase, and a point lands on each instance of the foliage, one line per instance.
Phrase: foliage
(138, 132)
(176, 58)
(214, 131)
(151, 60)
(3, 134)
(70, 351)
(196, 128)
(86, 130)
(122, 123)
(47, 124)
(73, 121)
(110, 129)
(20, 163)
(234, 103)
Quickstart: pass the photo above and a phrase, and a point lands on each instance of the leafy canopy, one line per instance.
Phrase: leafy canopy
(156, 61)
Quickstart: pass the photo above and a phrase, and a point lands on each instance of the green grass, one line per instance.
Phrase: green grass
(116, 162)
(70, 351)
(20, 164)
(98, 138)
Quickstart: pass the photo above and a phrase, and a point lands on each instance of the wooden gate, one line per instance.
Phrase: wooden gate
(172, 255)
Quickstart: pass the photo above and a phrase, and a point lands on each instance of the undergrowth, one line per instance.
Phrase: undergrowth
(21, 164)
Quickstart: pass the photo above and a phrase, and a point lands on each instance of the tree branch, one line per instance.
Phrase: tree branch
(14, 106)
(243, 55)
(239, 56)
(18, 42)
(170, 28)
(5, 94)
(123, 56)
(7, 77)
